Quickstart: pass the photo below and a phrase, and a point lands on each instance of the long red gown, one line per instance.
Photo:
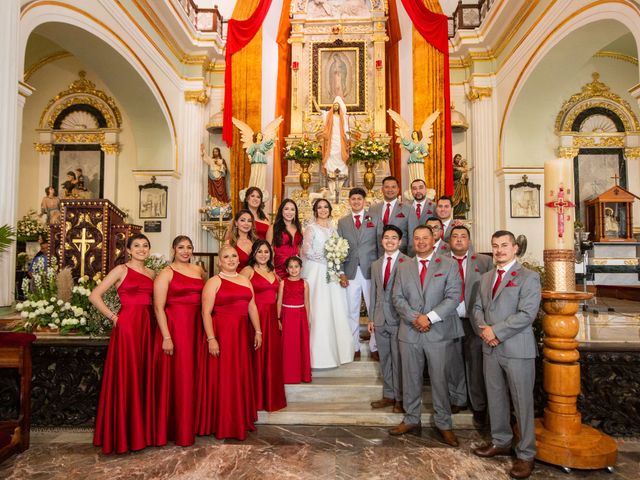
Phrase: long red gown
(261, 229)
(284, 251)
(175, 375)
(122, 418)
(243, 258)
(225, 402)
(267, 360)
(295, 333)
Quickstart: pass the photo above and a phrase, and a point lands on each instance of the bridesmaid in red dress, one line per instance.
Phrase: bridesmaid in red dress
(242, 235)
(285, 235)
(226, 400)
(254, 202)
(177, 294)
(267, 361)
(293, 312)
(122, 421)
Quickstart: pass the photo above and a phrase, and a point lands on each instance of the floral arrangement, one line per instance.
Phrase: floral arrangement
(156, 262)
(370, 150)
(336, 250)
(303, 150)
(29, 229)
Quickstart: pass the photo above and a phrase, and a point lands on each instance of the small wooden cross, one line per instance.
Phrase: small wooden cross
(615, 178)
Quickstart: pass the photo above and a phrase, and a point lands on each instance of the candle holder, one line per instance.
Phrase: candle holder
(218, 229)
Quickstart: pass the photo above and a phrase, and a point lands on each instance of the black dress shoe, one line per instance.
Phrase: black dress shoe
(480, 418)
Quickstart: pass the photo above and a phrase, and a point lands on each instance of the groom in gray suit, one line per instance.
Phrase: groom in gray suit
(503, 313)
(426, 293)
(383, 318)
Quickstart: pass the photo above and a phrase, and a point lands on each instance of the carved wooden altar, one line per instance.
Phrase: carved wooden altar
(91, 237)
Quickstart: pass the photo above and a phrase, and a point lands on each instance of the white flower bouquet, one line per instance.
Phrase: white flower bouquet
(336, 250)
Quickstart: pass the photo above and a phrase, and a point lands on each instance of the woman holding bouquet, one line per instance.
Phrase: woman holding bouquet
(330, 337)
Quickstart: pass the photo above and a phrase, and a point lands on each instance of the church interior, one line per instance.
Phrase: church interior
(158, 116)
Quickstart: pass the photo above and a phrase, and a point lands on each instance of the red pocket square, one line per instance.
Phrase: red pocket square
(477, 269)
(511, 284)
(370, 225)
(429, 211)
(438, 274)
(400, 215)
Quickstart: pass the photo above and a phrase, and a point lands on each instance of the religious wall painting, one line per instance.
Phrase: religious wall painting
(525, 199)
(153, 200)
(78, 171)
(339, 69)
(338, 8)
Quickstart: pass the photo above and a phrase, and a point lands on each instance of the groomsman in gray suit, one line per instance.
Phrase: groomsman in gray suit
(426, 292)
(504, 312)
(383, 318)
(440, 247)
(360, 230)
(471, 266)
(444, 211)
(391, 211)
(421, 209)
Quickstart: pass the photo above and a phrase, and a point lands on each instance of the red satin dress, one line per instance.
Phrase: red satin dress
(267, 360)
(123, 418)
(175, 375)
(261, 229)
(225, 404)
(284, 251)
(243, 258)
(295, 333)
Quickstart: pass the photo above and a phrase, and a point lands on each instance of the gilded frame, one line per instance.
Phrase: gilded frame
(348, 61)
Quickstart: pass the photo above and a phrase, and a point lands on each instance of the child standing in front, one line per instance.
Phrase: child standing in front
(293, 307)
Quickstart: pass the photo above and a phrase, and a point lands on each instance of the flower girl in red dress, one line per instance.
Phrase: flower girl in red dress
(293, 307)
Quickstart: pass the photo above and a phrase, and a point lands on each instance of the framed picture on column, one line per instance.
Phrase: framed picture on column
(153, 200)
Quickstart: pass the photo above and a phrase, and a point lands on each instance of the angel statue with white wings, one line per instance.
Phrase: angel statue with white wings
(257, 145)
(415, 142)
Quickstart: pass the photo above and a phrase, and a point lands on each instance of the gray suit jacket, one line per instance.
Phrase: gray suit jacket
(381, 303)
(511, 312)
(399, 217)
(363, 244)
(443, 249)
(441, 293)
(428, 210)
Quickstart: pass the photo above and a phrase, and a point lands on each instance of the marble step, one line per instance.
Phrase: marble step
(341, 389)
(363, 368)
(349, 413)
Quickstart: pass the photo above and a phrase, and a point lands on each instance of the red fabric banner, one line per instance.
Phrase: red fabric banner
(434, 29)
(239, 34)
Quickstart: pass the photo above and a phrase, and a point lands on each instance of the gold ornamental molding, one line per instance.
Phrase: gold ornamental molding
(78, 137)
(632, 152)
(110, 148)
(478, 93)
(617, 56)
(197, 96)
(43, 147)
(599, 141)
(43, 61)
(81, 91)
(568, 152)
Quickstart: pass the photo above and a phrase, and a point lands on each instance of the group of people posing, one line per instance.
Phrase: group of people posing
(207, 356)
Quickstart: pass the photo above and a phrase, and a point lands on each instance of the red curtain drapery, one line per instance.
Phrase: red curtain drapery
(393, 84)
(239, 34)
(435, 30)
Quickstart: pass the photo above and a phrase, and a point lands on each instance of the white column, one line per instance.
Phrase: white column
(484, 147)
(10, 129)
(191, 194)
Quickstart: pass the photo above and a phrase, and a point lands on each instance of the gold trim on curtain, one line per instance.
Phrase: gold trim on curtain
(428, 96)
(393, 86)
(247, 99)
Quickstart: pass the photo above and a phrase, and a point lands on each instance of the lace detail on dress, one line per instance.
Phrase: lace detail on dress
(315, 237)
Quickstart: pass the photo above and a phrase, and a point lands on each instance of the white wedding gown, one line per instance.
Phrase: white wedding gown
(330, 337)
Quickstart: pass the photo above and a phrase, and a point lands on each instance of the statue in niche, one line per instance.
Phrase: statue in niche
(217, 175)
(335, 144)
(257, 145)
(50, 206)
(415, 142)
(611, 225)
(461, 198)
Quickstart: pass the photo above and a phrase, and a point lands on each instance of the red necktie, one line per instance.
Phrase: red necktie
(358, 222)
(387, 213)
(461, 271)
(418, 210)
(387, 272)
(497, 284)
(423, 272)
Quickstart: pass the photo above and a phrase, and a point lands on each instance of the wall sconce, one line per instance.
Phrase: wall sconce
(295, 65)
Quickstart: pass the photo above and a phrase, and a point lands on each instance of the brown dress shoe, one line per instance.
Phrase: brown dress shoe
(375, 356)
(397, 408)
(490, 450)
(413, 428)
(480, 418)
(458, 408)
(382, 403)
(356, 356)
(448, 437)
(521, 468)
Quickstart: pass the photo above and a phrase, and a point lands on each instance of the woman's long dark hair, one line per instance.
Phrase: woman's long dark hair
(235, 235)
(245, 203)
(316, 204)
(280, 228)
(254, 250)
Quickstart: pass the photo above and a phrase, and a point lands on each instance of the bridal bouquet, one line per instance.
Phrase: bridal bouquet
(335, 251)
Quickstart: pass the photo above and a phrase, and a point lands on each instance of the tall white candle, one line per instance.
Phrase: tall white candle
(559, 206)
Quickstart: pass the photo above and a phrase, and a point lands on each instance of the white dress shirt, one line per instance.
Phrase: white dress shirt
(433, 316)
(394, 257)
(506, 268)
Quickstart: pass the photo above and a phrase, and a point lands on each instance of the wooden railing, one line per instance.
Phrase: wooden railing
(203, 19)
(468, 15)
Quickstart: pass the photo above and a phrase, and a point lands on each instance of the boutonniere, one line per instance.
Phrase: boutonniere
(477, 269)
(400, 260)
(438, 274)
(511, 284)
(443, 247)
(437, 260)
(473, 257)
(513, 274)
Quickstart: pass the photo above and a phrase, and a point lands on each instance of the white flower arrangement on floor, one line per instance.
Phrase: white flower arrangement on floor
(336, 250)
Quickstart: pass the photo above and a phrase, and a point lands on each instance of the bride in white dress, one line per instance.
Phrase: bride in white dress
(330, 337)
